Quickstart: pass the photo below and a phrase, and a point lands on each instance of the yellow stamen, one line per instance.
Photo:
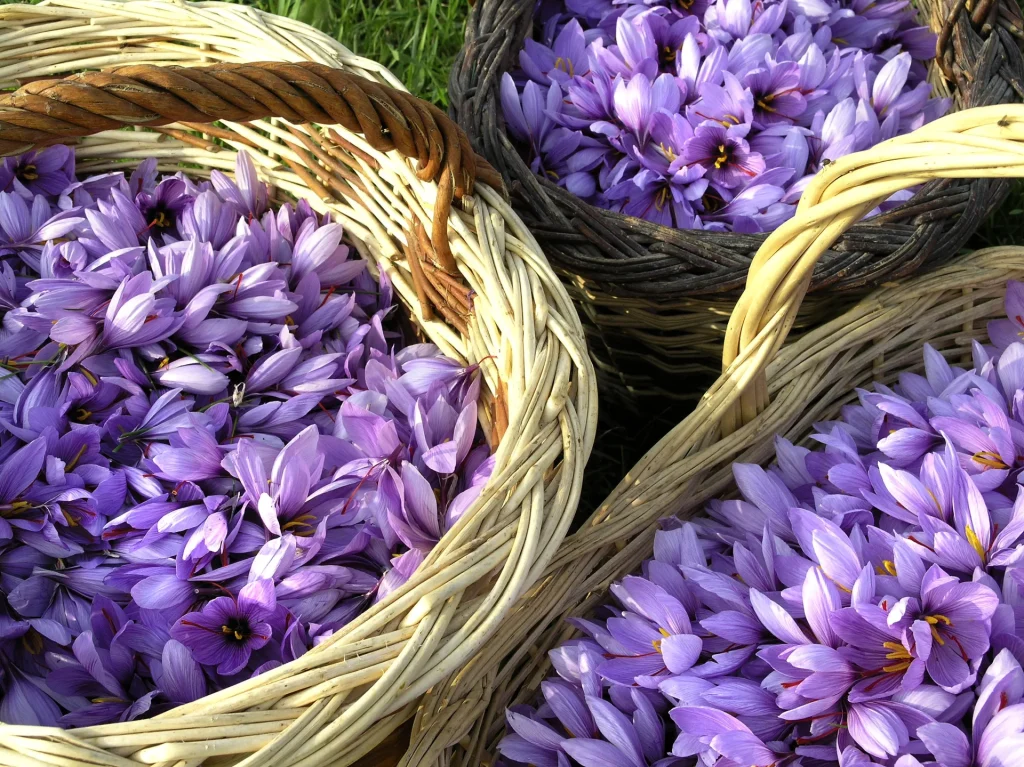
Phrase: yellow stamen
(29, 173)
(553, 175)
(160, 220)
(657, 642)
(565, 65)
(890, 566)
(898, 651)
(661, 199)
(933, 621)
(723, 156)
(895, 668)
(164, 362)
(972, 538)
(106, 700)
(300, 521)
(71, 464)
(89, 376)
(71, 522)
(669, 154)
(989, 460)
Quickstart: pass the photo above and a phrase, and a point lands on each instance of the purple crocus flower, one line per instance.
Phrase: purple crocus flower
(227, 630)
(47, 172)
(179, 509)
(749, 65)
(246, 192)
(723, 154)
(27, 225)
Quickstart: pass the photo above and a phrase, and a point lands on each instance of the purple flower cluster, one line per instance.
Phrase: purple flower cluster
(213, 451)
(713, 115)
(858, 604)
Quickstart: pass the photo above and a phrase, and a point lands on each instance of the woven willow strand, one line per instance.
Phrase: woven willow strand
(347, 695)
(736, 417)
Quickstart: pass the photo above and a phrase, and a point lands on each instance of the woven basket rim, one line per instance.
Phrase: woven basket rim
(521, 317)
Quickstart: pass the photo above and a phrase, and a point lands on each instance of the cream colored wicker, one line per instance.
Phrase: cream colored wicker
(479, 288)
(806, 381)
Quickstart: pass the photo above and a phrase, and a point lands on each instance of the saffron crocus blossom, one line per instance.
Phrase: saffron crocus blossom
(833, 77)
(204, 401)
(860, 603)
(228, 630)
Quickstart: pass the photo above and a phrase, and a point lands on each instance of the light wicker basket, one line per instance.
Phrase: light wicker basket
(387, 166)
(807, 381)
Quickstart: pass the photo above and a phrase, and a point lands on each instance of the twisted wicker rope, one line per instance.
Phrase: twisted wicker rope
(52, 111)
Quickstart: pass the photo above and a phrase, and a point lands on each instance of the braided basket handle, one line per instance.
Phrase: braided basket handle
(985, 142)
(54, 111)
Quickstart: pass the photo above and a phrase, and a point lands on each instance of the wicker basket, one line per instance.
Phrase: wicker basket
(735, 421)
(338, 131)
(654, 299)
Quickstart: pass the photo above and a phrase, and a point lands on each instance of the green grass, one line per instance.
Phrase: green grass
(1006, 225)
(416, 39)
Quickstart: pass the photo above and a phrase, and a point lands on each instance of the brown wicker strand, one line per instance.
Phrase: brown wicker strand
(50, 111)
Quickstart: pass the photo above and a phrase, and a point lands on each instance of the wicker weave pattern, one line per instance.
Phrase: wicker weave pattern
(503, 308)
(652, 297)
(806, 381)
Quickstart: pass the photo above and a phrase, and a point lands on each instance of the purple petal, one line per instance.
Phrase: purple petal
(182, 680)
(775, 618)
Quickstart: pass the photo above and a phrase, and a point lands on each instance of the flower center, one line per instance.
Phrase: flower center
(711, 202)
(989, 460)
(565, 65)
(670, 155)
(898, 653)
(28, 172)
(888, 567)
(82, 415)
(14, 509)
(33, 642)
(723, 156)
(657, 642)
(668, 56)
(765, 103)
(159, 219)
(935, 621)
(302, 521)
(661, 199)
(236, 629)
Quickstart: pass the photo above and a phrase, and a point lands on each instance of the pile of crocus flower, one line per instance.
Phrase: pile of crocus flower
(713, 115)
(213, 451)
(859, 604)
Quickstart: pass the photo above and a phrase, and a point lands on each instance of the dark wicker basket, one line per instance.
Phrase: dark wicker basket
(655, 300)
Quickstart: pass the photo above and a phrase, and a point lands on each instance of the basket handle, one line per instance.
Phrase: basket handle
(984, 142)
(54, 111)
